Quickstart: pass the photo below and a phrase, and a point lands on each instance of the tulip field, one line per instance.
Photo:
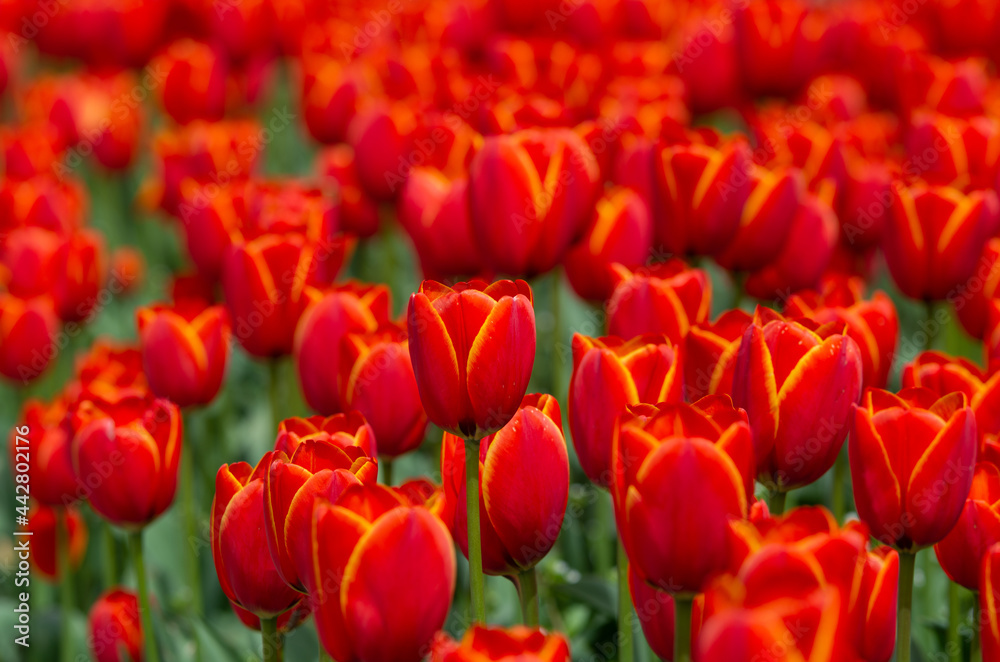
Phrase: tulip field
(500, 330)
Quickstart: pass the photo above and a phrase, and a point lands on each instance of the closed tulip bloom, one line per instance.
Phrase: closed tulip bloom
(247, 574)
(531, 194)
(352, 308)
(974, 302)
(700, 193)
(667, 298)
(944, 374)
(357, 212)
(608, 375)
(797, 387)
(871, 323)
(936, 237)
(655, 611)
(376, 377)
(472, 348)
(904, 450)
(29, 255)
(680, 476)
(141, 440)
(194, 86)
(382, 138)
(42, 523)
(115, 627)
(481, 643)
(962, 551)
(710, 351)
(323, 463)
(185, 348)
(49, 458)
(524, 487)
(385, 575)
(989, 602)
(266, 282)
(621, 231)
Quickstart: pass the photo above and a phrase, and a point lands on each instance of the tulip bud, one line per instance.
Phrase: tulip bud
(184, 351)
(126, 454)
(115, 627)
(472, 348)
(912, 461)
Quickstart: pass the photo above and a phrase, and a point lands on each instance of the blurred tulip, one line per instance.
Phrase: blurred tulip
(194, 85)
(779, 45)
(376, 378)
(524, 487)
(912, 461)
(989, 602)
(608, 375)
(330, 95)
(126, 452)
(797, 385)
(42, 523)
(472, 348)
(620, 232)
(50, 461)
(246, 572)
(363, 546)
(667, 298)
(434, 211)
(382, 139)
(681, 475)
(128, 269)
(972, 302)
(28, 329)
(991, 340)
(115, 627)
(531, 194)
(352, 308)
(357, 213)
(872, 324)
(962, 551)
(936, 237)
(340, 453)
(184, 351)
(105, 372)
(710, 351)
(503, 645)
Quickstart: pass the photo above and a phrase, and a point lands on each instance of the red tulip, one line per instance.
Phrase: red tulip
(989, 601)
(665, 298)
(287, 621)
(357, 213)
(352, 308)
(48, 456)
(779, 45)
(30, 255)
(973, 302)
(962, 551)
(115, 627)
(531, 194)
(655, 611)
(481, 643)
(912, 463)
(943, 374)
(42, 523)
(42, 202)
(126, 452)
(710, 350)
(872, 324)
(608, 375)
(382, 138)
(991, 341)
(680, 479)
(937, 235)
(376, 378)
(323, 463)
(701, 191)
(184, 351)
(194, 85)
(472, 348)
(523, 487)
(106, 372)
(248, 575)
(331, 92)
(384, 574)
(798, 386)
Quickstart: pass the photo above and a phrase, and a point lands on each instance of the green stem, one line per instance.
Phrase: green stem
(682, 627)
(778, 502)
(271, 640)
(66, 597)
(929, 310)
(387, 465)
(625, 650)
(840, 478)
(139, 565)
(527, 590)
(954, 646)
(110, 556)
(977, 626)
(907, 561)
(275, 393)
(323, 657)
(476, 579)
(190, 522)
